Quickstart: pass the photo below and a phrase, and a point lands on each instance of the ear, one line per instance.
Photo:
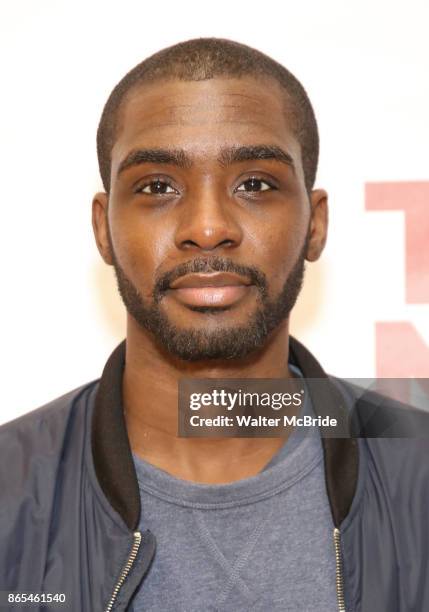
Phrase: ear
(100, 226)
(318, 224)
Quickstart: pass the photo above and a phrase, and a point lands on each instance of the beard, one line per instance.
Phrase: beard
(226, 342)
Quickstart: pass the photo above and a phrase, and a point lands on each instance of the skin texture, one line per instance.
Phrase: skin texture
(208, 212)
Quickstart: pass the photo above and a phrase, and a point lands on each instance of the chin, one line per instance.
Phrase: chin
(212, 338)
(210, 319)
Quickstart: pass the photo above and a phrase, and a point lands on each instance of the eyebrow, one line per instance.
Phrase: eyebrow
(250, 153)
(177, 157)
(227, 156)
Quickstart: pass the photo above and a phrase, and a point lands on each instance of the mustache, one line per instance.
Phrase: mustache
(207, 265)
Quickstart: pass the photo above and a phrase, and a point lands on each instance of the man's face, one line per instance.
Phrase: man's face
(208, 221)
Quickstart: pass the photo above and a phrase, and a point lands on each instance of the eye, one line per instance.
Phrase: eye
(156, 187)
(254, 184)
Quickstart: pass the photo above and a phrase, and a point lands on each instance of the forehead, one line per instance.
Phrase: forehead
(201, 117)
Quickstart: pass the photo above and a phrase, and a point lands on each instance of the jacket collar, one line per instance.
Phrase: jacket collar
(114, 464)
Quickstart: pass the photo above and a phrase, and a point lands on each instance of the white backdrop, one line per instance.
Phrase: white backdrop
(365, 66)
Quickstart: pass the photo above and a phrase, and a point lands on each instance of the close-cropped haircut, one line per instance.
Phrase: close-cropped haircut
(206, 58)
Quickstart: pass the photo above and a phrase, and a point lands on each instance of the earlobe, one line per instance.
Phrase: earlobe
(100, 226)
(318, 224)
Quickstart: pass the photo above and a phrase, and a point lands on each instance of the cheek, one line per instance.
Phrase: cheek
(278, 246)
(140, 248)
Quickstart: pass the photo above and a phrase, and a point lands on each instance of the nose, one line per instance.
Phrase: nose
(208, 221)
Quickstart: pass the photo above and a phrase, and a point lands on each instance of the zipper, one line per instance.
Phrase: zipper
(339, 579)
(137, 540)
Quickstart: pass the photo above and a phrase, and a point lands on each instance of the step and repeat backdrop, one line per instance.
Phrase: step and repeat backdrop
(364, 309)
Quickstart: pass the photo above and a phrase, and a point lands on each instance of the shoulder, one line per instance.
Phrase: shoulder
(40, 469)
(34, 442)
(374, 414)
(53, 414)
(394, 439)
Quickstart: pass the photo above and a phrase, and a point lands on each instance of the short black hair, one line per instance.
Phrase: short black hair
(206, 58)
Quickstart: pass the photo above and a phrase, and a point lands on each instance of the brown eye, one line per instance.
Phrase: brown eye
(156, 187)
(254, 184)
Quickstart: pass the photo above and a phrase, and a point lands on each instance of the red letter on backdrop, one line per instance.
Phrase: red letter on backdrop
(413, 199)
(400, 350)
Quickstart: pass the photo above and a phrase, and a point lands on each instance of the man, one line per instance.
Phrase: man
(208, 153)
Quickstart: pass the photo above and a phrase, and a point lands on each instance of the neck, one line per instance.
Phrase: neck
(150, 394)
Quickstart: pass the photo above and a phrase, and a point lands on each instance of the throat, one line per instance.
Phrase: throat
(214, 461)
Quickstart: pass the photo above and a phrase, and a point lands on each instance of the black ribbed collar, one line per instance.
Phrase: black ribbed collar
(114, 464)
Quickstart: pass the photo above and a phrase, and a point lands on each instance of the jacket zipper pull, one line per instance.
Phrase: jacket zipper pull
(339, 578)
(137, 540)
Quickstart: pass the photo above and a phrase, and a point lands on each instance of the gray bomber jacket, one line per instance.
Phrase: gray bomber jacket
(70, 504)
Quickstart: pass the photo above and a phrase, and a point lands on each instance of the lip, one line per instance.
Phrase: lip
(219, 289)
(212, 279)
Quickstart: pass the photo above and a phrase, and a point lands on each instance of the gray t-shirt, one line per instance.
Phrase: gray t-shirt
(258, 544)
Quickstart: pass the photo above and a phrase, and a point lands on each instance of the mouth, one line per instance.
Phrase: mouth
(216, 290)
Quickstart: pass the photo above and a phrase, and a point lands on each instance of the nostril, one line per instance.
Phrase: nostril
(189, 243)
(223, 243)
